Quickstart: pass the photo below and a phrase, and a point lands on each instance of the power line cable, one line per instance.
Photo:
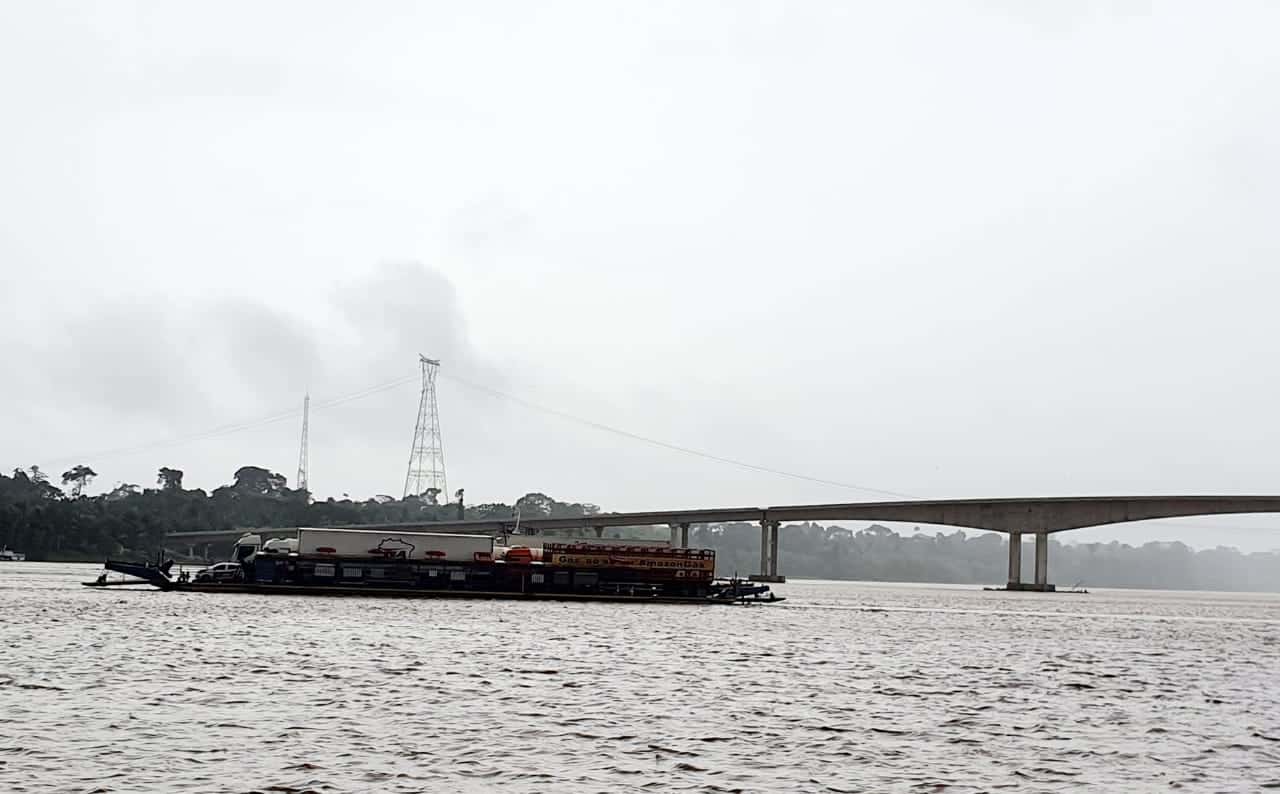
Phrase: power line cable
(263, 421)
(666, 444)
(236, 427)
(269, 419)
(742, 464)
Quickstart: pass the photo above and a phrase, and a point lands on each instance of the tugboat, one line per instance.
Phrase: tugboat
(742, 591)
(438, 565)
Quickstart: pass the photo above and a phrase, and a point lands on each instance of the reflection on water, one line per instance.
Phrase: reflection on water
(845, 687)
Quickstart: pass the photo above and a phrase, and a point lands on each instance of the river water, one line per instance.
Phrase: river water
(844, 687)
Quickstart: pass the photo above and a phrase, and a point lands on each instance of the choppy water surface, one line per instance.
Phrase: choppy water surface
(845, 687)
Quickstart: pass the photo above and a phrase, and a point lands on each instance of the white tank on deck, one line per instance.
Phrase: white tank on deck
(280, 545)
(393, 544)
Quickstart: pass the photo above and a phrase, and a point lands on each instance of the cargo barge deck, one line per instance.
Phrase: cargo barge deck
(436, 565)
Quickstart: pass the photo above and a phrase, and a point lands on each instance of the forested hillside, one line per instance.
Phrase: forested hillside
(48, 522)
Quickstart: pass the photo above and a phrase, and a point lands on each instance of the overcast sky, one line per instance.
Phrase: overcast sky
(941, 249)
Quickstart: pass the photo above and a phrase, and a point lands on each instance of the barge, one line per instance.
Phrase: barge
(440, 565)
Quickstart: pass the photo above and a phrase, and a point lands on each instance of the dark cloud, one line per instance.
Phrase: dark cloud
(273, 353)
(400, 310)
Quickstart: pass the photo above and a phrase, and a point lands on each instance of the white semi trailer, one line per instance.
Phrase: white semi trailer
(393, 544)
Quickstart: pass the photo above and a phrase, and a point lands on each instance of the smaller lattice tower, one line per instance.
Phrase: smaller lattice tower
(426, 456)
(303, 455)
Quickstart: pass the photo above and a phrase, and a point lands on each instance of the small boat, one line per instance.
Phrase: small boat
(742, 591)
(9, 555)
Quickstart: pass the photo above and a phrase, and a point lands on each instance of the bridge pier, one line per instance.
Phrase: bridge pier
(769, 553)
(1015, 560)
(1042, 561)
(764, 547)
(679, 535)
(1041, 583)
(773, 549)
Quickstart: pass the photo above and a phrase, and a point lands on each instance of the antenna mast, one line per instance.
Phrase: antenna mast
(303, 455)
(426, 456)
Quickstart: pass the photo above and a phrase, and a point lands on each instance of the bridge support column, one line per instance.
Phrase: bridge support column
(764, 548)
(769, 553)
(599, 532)
(773, 548)
(684, 536)
(1041, 582)
(1015, 560)
(1042, 561)
(675, 538)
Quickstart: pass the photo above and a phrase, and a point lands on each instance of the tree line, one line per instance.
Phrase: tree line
(62, 523)
(48, 522)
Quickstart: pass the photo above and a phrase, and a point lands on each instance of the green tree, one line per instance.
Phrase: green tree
(79, 475)
(169, 479)
(535, 505)
(123, 491)
(260, 481)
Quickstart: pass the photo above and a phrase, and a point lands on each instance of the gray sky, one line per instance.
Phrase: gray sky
(945, 249)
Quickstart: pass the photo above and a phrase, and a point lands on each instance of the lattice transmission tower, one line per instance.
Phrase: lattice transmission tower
(303, 455)
(426, 457)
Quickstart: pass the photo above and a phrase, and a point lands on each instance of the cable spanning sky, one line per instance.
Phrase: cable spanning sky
(961, 250)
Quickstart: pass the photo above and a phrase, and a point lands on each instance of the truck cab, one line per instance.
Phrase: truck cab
(247, 546)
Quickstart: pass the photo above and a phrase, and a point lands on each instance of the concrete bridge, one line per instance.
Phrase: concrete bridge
(1038, 516)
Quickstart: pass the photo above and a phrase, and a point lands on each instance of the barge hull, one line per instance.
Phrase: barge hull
(409, 592)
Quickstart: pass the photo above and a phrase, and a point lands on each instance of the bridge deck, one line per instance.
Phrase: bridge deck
(1029, 514)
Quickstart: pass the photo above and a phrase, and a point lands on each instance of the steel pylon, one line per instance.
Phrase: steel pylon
(426, 456)
(303, 455)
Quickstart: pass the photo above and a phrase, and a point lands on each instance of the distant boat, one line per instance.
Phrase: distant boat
(9, 555)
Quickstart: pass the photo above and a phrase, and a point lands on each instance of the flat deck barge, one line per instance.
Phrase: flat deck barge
(389, 564)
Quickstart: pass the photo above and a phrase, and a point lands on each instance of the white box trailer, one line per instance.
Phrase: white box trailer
(393, 544)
